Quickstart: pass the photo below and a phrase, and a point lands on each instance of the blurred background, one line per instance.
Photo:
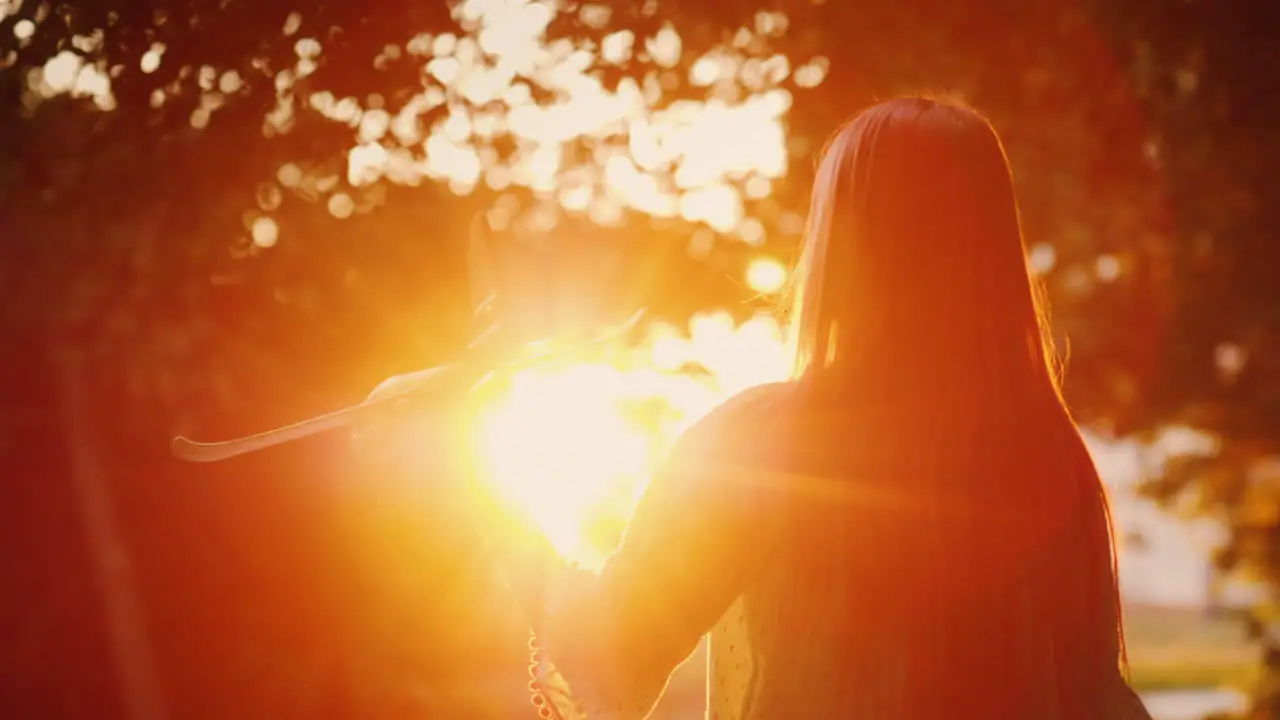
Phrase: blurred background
(218, 216)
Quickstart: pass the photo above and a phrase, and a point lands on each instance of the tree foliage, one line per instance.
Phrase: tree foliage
(133, 230)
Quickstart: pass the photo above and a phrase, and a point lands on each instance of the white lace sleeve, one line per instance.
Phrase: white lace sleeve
(555, 699)
(551, 694)
(573, 635)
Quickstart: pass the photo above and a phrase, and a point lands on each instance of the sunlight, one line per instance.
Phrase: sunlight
(559, 443)
(582, 146)
(512, 108)
(573, 447)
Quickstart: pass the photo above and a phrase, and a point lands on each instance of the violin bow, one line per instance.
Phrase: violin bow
(480, 358)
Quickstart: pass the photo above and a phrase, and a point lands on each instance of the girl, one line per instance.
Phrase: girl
(911, 528)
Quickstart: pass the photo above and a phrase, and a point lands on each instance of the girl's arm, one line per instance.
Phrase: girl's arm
(614, 637)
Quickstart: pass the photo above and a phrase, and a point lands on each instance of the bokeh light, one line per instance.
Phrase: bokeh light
(766, 275)
(604, 151)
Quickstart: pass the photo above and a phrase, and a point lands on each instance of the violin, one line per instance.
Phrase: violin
(518, 326)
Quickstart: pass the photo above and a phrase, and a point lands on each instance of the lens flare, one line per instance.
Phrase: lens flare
(573, 447)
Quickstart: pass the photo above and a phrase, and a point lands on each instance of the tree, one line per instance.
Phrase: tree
(265, 182)
(1213, 369)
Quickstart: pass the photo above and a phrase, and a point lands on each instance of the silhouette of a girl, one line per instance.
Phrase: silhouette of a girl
(911, 528)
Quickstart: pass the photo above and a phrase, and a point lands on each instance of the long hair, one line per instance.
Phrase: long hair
(914, 248)
(913, 291)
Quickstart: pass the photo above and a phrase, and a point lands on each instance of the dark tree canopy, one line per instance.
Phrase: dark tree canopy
(197, 242)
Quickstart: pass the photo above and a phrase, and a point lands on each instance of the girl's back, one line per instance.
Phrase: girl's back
(922, 568)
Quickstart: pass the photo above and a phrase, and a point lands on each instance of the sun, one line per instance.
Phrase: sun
(573, 447)
(558, 444)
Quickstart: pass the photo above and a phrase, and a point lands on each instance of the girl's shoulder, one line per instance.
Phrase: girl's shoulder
(744, 426)
(756, 401)
(753, 407)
